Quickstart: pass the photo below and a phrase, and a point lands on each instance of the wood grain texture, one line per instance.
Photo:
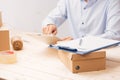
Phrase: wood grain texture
(38, 62)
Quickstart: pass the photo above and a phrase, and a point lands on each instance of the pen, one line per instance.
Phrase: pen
(67, 48)
(81, 40)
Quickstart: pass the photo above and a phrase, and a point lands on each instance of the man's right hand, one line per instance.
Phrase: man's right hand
(49, 29)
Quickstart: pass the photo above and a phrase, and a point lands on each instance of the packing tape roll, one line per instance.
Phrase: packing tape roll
(49, 39)
(7, 57)
(17, 43)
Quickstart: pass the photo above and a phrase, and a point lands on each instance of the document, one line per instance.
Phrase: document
(86, 45)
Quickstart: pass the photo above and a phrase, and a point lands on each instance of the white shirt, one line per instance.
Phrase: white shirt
(97, 17)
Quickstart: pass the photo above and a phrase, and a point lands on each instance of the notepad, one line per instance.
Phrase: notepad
(89, 44)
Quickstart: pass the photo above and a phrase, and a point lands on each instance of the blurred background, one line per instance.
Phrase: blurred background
(27, 15)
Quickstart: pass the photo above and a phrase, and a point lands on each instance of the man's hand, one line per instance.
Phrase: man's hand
(67, 38)
(50, 29)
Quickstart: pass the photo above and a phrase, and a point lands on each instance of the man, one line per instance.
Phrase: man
(86, 17)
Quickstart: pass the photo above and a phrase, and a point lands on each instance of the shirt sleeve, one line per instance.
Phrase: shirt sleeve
(58, 15)
(113, 20)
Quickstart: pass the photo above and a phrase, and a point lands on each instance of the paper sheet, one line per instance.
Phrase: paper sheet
(88, 43)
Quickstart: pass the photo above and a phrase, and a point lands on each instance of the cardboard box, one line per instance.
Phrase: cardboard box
(0, 19)
(82, 63)
(4, 40)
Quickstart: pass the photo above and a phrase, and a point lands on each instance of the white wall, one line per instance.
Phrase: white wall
(27, 15)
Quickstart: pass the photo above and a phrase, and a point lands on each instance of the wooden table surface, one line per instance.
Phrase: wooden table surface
(37, 62)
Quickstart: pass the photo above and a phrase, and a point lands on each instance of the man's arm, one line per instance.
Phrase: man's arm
(113, 20)
(58, 15)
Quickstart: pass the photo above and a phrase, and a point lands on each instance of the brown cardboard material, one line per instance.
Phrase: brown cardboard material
(82, 63)
(0, 19)
(4, 40)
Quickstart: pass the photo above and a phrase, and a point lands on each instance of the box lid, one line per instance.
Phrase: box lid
(92, 55)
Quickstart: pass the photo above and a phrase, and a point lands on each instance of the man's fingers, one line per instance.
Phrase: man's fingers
(54, 32)
(49, 29)
(67, 38)
(44, 30)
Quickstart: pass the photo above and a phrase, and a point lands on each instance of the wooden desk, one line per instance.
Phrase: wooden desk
(37, 62)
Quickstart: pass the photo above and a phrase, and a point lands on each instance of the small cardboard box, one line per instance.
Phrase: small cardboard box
(82, 63)
(0, 19)
(4, 40)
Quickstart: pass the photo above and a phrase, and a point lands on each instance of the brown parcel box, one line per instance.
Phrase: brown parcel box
(4, 40)
(81, 63)
(0, 19)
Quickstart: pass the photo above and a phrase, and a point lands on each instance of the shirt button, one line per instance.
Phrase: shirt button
(82, 22)
(84, 8)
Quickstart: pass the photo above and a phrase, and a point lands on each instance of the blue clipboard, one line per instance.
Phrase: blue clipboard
(76, 51)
